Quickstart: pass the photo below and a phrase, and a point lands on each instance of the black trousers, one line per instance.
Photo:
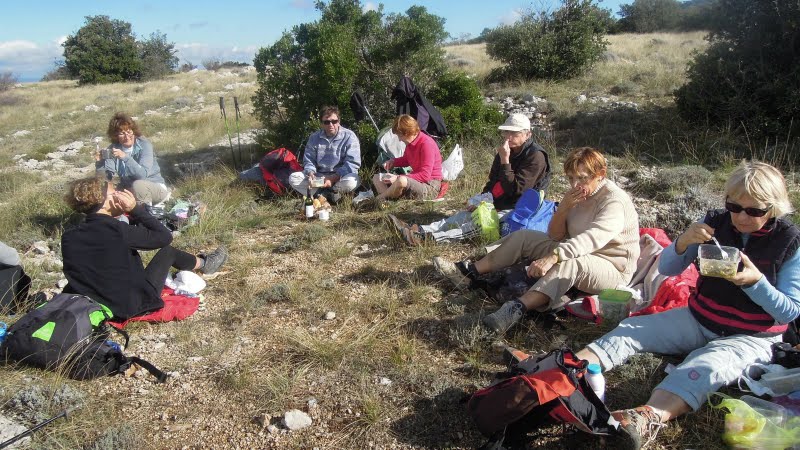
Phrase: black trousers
(169, 256)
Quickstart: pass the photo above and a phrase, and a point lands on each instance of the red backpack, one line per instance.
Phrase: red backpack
(276, 166)
(541, 390)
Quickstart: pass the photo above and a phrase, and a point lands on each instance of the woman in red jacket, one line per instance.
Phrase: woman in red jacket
(421, 154)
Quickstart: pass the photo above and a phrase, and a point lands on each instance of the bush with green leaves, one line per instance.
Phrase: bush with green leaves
(550, 45)
(748, 78)
(648, 16)
(348, 49)
(105, 50)
(461, 103)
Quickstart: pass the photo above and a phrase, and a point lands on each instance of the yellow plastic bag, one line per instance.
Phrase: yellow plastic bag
(746, 427)
(486, 219)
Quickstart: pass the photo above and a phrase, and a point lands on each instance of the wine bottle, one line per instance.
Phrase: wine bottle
(309, 205)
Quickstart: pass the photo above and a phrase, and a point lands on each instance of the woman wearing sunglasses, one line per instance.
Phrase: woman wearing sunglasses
(729, 324)
(131, 158)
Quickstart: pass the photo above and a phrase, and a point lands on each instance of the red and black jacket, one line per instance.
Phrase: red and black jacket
(725, 308)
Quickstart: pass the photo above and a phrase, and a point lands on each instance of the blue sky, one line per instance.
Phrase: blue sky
(31, 33)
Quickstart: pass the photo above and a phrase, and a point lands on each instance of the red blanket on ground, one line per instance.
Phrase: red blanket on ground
(176, 307)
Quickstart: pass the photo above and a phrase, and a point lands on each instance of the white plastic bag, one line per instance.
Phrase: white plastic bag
(453, 165)
(189, 281)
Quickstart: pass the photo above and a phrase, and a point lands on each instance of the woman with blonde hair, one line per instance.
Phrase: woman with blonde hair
(592, 243)
(421, 154)
(729, 323)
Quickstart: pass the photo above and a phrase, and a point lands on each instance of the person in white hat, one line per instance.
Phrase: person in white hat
(519, 164)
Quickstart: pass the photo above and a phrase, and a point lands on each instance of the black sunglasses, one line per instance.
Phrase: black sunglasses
(752, 212)
(328, 122)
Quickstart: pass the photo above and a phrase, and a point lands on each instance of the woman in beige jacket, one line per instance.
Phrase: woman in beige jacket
(592, 243)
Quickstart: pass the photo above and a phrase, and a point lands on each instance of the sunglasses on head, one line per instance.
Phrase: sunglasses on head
(328, 122)
(752, 212)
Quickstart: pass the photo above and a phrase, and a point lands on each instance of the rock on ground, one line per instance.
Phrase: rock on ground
(296, 420)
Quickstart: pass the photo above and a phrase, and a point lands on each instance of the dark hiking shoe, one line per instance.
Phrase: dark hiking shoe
(215, 260)
(638, 427)
(456, 273)
(504, 318)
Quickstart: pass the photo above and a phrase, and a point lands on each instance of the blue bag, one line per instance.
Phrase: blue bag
(532, 212)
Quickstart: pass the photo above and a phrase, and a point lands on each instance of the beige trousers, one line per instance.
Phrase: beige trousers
(589, 273)
(149, 192)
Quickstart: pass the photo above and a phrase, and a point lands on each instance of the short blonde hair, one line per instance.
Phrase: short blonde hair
(405, 125)
(590, 158)
(87, 194)
(762, 182)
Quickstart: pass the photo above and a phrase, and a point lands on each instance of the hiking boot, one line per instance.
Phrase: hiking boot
(639, 426)
(398, 224)
(215, 260)
(456, 273)
(413, 238)
(504, 318)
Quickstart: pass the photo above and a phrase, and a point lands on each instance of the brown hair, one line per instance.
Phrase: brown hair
(86, 194)
(119, 122)
(588, 157)
(405, 125)
(327, 110)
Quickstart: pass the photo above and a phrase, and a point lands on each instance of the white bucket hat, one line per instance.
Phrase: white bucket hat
(516, 122)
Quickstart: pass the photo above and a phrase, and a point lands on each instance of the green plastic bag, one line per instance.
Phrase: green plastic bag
(746, 427)
(486, 219)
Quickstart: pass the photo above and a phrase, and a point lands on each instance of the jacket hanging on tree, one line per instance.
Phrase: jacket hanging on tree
(410, 101)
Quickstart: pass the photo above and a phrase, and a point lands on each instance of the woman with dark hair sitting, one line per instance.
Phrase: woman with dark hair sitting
(101, 258)
(131, 158)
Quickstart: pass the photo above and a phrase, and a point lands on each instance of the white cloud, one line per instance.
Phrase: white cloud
(196, 53)
(370, 6)
(512, 16)
(29, 59)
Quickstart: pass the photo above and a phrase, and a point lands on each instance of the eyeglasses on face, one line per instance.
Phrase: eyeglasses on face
(579, 179)
(125, 133)
(510, 133)
(752, 212)
(328, 122)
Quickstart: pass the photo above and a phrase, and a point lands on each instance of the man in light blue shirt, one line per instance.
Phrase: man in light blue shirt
(331, 158)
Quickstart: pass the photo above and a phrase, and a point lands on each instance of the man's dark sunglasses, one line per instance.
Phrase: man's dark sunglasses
(752, 212)
(328, 122)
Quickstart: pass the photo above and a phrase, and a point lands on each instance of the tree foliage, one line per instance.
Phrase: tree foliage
(749, 73)
(647, 16)
(551, 45)
(346, 50)
(158, 57)
(105, 50)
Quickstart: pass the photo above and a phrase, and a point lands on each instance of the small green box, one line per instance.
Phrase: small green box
(615, 295)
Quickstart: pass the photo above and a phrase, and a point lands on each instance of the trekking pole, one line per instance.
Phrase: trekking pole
(32, 430)
(227, 131)
(238, 137)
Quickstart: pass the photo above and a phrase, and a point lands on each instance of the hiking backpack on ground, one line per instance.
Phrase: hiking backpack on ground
(539, 391)
(69, 334)
(276, 167)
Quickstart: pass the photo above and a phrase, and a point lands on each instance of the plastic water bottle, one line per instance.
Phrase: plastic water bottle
(3, 328)
(595, 378)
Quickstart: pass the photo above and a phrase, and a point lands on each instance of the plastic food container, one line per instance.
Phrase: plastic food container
(713, 264)
(614, 304)
(782, 383)
(323, 214)
(318, 182)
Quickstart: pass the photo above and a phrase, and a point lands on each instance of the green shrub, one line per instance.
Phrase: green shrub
(647, 16)
(346, 50)
(461, 103)
(748, 75)
(105, 51)
(558, 45)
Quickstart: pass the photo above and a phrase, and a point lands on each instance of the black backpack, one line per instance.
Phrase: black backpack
(69, 333)
(538, 391)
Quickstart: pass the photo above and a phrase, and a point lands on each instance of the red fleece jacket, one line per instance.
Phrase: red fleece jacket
(423, 155)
